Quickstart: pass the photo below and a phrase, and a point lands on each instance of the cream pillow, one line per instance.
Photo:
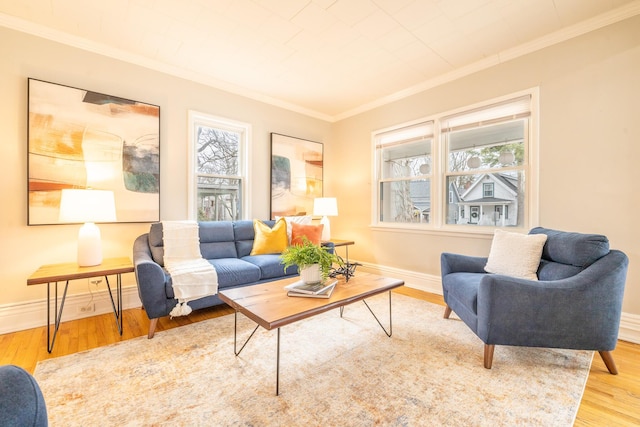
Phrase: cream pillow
(300, 219)
(515, 254)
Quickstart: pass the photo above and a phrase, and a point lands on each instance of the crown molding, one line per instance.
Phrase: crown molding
(42, 31)
(624, 12)
(620, 14)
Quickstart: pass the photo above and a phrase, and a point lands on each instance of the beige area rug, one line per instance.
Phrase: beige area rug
(333, 372)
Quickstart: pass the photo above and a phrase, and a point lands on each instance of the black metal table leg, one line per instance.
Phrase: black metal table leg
(57, 313)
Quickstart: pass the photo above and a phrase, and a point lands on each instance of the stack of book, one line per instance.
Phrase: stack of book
(311, 290)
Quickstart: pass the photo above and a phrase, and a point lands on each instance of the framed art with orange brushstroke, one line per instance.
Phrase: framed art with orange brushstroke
(82, 139)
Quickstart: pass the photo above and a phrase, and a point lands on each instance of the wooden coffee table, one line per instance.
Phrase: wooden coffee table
(269, 306)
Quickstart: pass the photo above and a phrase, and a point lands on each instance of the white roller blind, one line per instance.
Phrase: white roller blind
(501, 112)
(413, 133)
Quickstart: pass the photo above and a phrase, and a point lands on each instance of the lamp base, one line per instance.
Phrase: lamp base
(89, 245)
(326, 230)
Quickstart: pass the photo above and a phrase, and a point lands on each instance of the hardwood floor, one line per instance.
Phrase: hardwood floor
(608, 399)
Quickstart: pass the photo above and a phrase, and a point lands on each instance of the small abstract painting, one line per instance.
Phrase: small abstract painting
(82, 139)
(296, 175)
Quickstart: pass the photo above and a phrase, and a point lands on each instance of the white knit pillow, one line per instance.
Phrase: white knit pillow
(515, 254)
(300, 219)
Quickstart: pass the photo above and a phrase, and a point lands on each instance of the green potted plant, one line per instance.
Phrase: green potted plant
(314, 261)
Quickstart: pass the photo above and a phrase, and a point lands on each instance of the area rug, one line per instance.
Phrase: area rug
(333, 371)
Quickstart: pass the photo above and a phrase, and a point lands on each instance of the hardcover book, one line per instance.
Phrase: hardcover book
(321, 290)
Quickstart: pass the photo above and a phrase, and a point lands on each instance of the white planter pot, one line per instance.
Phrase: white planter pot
(311, 274)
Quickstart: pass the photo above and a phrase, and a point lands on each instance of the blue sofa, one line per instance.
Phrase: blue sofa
(575, 304)
(225, 244)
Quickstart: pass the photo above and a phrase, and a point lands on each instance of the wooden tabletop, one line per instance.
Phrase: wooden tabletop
(269, 306)
(71, 271)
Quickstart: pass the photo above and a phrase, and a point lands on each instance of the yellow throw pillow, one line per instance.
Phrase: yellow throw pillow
(269, 240)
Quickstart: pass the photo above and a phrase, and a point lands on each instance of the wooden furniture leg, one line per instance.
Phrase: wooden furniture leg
(488, 355)
(152, 327)
(607, 358)
(447, 312)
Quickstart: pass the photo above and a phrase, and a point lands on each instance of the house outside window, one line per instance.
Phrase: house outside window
(487, 161)
(218, 168)
(404, 170)
(482, 168)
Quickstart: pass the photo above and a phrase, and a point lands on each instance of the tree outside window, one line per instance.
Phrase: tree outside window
(218, 147)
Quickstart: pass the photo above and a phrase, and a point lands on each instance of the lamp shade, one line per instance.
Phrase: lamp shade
(325, 206)
(78, 205)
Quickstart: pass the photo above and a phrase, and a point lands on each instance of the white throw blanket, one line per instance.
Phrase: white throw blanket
(193, 277)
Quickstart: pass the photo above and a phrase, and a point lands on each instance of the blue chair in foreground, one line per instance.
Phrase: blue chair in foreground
(575, 302)
(21, 401)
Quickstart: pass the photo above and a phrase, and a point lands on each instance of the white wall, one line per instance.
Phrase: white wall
(24, 248)
(589, 151)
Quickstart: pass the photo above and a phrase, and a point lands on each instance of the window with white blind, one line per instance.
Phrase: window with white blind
(465, 170)
(404, 173)
(217, 167)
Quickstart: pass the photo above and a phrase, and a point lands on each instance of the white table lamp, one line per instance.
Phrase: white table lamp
(88, 206)
(325, 207)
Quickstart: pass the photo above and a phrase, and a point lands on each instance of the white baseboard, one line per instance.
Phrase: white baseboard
(629, 328)
(629, 323)
(33, 314)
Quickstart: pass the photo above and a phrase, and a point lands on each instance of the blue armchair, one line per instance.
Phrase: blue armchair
(21, 400)
(575, 304)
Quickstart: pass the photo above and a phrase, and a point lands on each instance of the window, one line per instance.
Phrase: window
(477, 165)
(487, 189)
(486, 152)
(404, 170)
(218, 167)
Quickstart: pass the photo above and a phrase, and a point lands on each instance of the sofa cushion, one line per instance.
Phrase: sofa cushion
(217, 240)
(550, 270)
(311, 232)
(270, 266)
(156, 244)
(578, 249)
(269, 240)
(231, 272)
(244, 233)
(515, 254)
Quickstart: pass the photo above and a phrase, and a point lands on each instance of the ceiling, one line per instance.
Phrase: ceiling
(326, 58)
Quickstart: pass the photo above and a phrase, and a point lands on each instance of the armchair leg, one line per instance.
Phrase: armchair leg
(447, 312)
(152, 327)
(607, 358)
(488, 355)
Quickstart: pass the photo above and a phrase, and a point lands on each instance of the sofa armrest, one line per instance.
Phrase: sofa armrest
(151, 279)
(456, 263)
(582, 311)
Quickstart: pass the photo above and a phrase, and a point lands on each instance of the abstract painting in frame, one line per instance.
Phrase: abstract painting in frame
(83, 139)
(296, 175)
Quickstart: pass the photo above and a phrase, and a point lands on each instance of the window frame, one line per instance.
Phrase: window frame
(439, 191)
(404, 134)
(196, 118)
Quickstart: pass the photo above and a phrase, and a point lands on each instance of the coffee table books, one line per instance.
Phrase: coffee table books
(313, 290)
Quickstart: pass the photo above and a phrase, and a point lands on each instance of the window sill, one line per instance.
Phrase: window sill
(460, 231)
